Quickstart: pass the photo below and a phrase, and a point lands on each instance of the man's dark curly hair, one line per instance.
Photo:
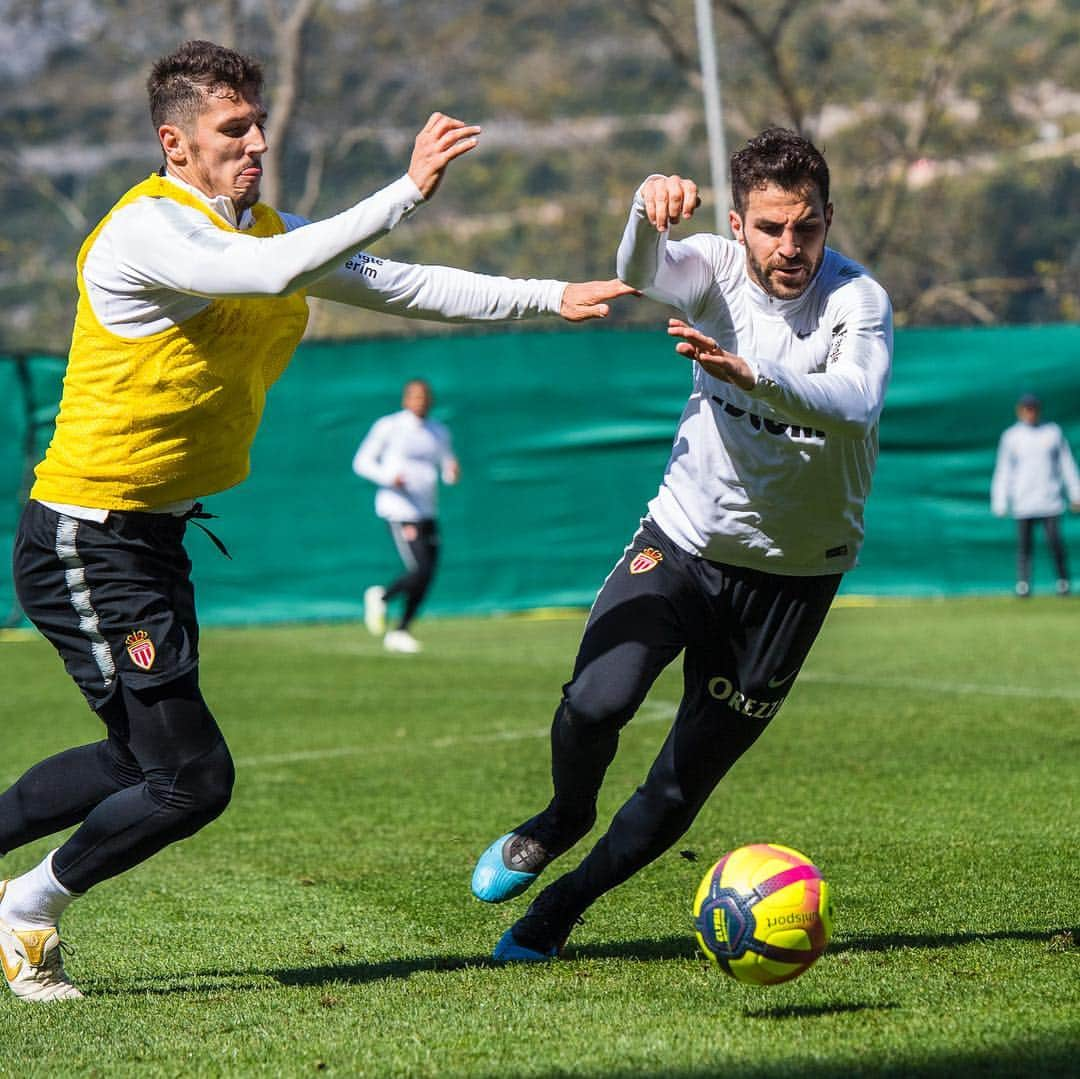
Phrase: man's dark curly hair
(777, 156)
(179, 82)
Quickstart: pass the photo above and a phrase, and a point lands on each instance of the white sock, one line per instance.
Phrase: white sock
(36, 899)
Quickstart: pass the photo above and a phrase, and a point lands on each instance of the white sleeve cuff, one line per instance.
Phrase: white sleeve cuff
(638, 198)
(553, 297)
(764, 386)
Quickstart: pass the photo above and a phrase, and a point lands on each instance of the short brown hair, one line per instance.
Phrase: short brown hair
(179, 82)
(777, 156)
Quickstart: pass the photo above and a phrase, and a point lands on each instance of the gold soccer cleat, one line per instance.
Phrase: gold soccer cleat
(33, 963)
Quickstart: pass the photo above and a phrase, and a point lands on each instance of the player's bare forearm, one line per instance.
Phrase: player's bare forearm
(440, 140)
(583, 300)
(717, 361)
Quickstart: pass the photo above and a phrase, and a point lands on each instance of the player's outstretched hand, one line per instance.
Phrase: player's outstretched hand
(669, 200)
(717, 361)
(439, 141)
(588, 299)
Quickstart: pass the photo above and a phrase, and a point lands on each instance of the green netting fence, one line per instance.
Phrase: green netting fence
(563, 436)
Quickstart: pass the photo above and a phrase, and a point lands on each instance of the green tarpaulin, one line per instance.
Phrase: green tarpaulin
(563, 437)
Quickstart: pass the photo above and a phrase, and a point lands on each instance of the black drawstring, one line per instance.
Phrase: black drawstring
(195, 514)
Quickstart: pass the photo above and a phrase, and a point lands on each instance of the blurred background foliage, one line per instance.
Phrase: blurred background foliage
(952, 130)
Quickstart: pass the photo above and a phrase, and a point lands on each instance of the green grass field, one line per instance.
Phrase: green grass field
(927, 761)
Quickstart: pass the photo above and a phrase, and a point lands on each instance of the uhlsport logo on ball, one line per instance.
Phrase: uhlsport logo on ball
(763, 913)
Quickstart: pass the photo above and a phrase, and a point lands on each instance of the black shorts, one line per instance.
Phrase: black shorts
(745, 634)
(115, 599)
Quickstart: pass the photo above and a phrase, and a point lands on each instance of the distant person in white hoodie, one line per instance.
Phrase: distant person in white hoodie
(406, 454)
(1034, 465)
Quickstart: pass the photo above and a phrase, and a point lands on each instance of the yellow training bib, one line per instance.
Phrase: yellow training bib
(147, 421)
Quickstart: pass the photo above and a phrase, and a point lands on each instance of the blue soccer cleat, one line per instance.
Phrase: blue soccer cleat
(495, 879)
(509, 951)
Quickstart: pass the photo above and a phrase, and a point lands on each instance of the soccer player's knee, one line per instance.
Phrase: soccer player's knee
(667, 805)
(596, 709)
(674, 799)
(202, 787)
(212, 785)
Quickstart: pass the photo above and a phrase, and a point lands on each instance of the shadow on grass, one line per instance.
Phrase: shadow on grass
(1055, 1059)
(653, 950)
(887, 942)
(685, 947)
(814, 1011)
(359, 973)
(222, 981)
(666, 949)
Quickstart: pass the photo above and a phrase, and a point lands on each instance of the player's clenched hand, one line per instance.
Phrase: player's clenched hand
(588, 299)
(717, 361)
(440, 140)
(669, 200)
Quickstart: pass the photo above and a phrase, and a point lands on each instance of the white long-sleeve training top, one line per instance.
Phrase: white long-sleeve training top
(775, 478)
(416, 451)
(1034, 463)
(156, 263)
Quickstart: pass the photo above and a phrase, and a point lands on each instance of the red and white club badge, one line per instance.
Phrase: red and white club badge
(141, 649)
(646, 559)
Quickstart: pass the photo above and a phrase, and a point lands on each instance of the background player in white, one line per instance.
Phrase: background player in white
(1034, 465)
(407, 453)
(759, 514)
(192, 298)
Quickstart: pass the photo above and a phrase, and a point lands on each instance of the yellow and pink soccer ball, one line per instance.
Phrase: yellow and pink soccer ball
(763, 913)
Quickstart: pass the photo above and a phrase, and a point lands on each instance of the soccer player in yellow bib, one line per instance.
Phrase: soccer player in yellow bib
(192, 298)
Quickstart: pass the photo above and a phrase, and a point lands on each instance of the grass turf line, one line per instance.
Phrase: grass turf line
(925, 760)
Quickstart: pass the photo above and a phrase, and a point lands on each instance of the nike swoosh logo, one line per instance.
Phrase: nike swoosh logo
(803, 336)
(775, 683)
(11, 973)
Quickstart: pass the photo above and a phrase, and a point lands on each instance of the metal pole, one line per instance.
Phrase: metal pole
(714, 113)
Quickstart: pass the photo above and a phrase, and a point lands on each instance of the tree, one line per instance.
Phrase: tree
(901, 96)
(932, 115)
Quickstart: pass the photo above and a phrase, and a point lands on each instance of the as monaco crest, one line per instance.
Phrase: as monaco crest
(141, 649)
(645, 560)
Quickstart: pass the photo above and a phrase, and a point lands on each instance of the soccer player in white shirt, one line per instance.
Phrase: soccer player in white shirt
(192, 298)
(759, 514)
(407, 453)
(1034, 465)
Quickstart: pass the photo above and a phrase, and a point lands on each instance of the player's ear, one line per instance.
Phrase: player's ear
(735, 221)
(173, 143)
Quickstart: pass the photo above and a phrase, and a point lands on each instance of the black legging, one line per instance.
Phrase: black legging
(162, 773)
(1025, 529)
(418, 544)
(733, 626)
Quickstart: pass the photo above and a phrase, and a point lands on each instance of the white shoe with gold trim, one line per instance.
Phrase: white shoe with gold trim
(33, 963)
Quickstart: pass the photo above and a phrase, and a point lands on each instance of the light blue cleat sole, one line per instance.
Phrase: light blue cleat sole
(509, 951)
(492, 882)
